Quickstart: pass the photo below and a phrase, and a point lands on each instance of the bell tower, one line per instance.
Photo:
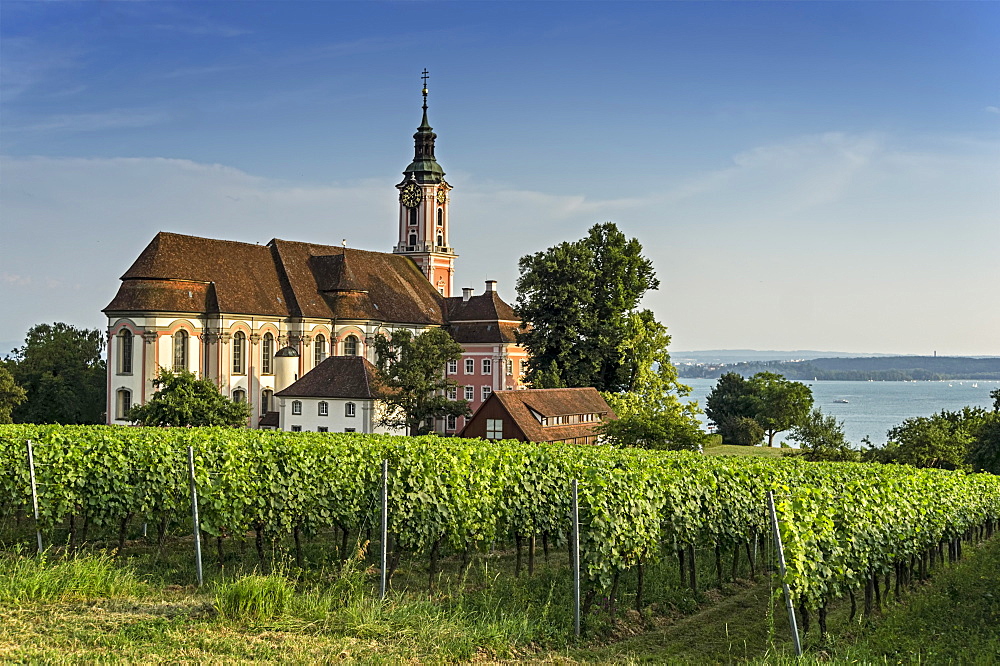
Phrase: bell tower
(423, 210)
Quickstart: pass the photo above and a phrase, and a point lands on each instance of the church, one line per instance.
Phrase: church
(234, 312)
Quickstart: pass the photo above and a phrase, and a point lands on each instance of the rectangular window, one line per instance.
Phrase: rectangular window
(470, 366)
(296, 428)
(453, 393)
(124, 403)
(452, 367)
(510, 366)
(470, 393)
(296, 407)
(494, 428)
(323, 409)
(451, 421)
(322, 429)
(487, 390)
(350, 430)
(125, 353)
(487, 366)
(349, 409)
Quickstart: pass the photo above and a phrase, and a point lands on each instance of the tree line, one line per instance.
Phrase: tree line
(890, 368)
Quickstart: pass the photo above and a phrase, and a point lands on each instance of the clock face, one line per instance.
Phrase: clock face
(442, 196)
(409, 196)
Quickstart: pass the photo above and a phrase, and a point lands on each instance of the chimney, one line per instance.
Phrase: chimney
(491, 285)
(466, 294)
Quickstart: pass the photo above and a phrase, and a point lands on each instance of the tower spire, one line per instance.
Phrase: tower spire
(424, 168)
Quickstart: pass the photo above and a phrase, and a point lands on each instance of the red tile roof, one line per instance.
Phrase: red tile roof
(337, 377)
(550, 403)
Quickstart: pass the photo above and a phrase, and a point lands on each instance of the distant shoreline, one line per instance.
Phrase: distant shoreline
(877, 368)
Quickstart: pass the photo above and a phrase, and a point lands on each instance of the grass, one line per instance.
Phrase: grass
(731, 450)
(95, 608)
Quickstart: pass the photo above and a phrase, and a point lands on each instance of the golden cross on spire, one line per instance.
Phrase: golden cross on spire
(424, 76)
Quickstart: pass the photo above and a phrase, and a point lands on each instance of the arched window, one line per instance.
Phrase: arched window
(351, 346)
(296, 407)
(349, 409)
(180, 350)
(239, 353)
(440, 217)
(440, 240)
(413, 216)
(125, 352)
(266, 400)
(267, 354)
(123, 404)
(413, 239)
(239, 395)
(323, 409)
(319, 349)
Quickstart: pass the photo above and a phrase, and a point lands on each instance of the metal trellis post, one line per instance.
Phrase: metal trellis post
(194, 516)
(575, 517)
(781, 568)
(384, 527)
(34, 495)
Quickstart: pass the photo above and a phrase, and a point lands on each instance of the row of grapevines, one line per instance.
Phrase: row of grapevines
(840, 521)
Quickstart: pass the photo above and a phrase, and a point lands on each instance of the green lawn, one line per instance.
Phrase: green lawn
(730, 450)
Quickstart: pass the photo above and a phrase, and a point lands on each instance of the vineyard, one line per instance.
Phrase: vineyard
(847, 528)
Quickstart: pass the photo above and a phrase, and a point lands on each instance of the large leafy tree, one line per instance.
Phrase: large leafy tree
(576, 300)
(776, 404)
(651, 414)
(730, 405)
(11, 395)
(783, 403)
(62, 370)
(182, 399)
(411, 371)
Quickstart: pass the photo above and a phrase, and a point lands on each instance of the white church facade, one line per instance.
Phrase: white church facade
(224, 309)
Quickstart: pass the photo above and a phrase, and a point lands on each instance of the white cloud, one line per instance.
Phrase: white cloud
(93, 122)
(837, 241)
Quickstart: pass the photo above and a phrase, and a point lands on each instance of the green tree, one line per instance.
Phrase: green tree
(821, 438)
(182, 399)
(995, 394)
(783, 403)
(576, 300)
(11, 395)
(984, 453)
(62, 370)
(943, 440)
(729, 404)
(652, 414)
(411, 370)
(775, 403)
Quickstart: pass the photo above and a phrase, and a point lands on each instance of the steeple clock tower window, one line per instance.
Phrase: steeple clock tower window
(423, 210)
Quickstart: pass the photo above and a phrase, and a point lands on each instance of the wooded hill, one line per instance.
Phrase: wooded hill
(881, 368)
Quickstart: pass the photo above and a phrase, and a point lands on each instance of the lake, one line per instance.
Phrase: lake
(874, 407)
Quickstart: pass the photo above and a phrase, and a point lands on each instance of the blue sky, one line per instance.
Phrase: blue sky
(803, 175)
